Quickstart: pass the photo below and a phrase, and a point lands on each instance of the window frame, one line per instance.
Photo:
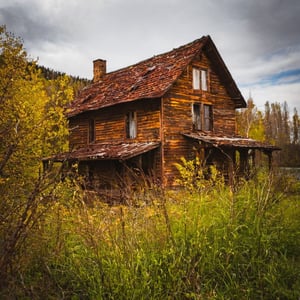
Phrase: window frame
(200, 80)
(204, 80)
(131, 125)
(196, 114)
(207, 117)
(202, 116)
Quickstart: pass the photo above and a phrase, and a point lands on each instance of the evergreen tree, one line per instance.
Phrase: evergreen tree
(296, 127)
(267, 122)
(286, 124)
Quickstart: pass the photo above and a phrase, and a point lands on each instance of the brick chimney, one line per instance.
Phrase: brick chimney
(99, 69)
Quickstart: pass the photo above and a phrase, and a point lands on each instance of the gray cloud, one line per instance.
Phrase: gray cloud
(32, 25)
(256, 38)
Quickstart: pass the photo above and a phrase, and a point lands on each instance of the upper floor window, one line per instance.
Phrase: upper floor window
(131, 125)
(200, 79)
(92, 131)
(202, 117)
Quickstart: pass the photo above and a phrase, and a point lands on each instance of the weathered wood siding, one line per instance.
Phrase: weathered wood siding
(111, 125)
(177, 114)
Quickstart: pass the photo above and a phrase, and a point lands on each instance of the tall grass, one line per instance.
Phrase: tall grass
(211, 243)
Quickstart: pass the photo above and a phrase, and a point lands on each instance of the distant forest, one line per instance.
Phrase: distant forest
(274, 125)
(76, 81)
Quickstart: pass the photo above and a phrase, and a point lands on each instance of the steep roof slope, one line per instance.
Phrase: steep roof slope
(150, 78)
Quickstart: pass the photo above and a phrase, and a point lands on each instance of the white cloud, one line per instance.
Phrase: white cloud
(274, 93)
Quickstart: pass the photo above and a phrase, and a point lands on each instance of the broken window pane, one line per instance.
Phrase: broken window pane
(197, 116)
(208, 117)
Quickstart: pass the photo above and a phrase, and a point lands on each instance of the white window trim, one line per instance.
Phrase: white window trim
(196, 79)
(200, 79)
(204, 84)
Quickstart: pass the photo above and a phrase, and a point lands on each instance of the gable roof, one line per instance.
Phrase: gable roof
(150, 78)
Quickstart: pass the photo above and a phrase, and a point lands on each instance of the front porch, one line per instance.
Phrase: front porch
(112, 171)
(235, 157)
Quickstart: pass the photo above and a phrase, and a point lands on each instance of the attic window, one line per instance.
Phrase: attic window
(131, 125)
(200, 79)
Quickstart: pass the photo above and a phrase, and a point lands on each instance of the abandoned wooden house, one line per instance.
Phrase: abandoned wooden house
(143, 118)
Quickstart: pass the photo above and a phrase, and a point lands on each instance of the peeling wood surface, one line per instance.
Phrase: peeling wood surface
(110, 124)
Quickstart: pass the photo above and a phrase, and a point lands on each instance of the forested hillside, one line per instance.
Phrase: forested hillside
(76, 83)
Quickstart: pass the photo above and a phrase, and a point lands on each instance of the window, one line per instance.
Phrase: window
(131, 125)
(196, 79)
(200, 79)
(92, 131)
(197, 116)
(202, 117)
(208, 124)
(204, 80)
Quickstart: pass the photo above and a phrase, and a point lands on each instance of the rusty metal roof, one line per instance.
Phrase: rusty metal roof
(150, 78)
(119, 151)
(230, 141)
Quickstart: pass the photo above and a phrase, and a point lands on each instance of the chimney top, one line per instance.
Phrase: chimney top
(99, 69)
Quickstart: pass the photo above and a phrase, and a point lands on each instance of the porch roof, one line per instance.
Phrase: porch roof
(117, 151)
(216, 140)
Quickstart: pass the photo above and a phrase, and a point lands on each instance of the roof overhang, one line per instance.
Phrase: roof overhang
(212, 140)
(120, 151)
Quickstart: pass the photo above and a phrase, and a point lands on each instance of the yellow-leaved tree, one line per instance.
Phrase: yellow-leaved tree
(32, 125)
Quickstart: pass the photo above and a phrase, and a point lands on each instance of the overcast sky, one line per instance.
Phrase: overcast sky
(259, 40)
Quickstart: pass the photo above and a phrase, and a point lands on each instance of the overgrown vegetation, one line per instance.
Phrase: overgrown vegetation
(180, 245)
(204, 241)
